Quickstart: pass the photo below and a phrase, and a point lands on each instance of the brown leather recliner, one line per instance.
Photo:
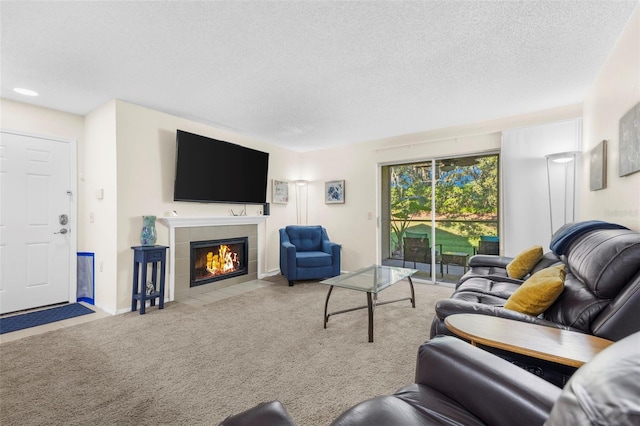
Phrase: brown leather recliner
(459, 384)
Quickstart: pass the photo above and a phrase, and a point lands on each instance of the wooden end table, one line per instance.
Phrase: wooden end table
(144, 256)
(563, 347)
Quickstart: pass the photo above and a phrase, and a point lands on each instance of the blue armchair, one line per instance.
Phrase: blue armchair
(306, 253)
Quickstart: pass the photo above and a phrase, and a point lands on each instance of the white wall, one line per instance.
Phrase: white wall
(347, 223)
(525, 183)
(101, 173)
(615, 91)
(36, 120)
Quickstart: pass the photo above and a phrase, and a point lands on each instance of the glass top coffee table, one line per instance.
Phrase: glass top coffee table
(372, 280)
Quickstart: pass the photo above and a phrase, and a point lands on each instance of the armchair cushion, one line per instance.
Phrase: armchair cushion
(305, 238)
(312, 259)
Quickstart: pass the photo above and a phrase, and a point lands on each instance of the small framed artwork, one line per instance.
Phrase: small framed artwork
(280, 192)
(629, 155)
(334, 192)
(598, 167)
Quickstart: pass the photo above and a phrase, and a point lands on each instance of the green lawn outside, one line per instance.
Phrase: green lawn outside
(452, 236)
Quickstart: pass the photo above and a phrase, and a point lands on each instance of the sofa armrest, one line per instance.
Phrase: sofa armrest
(268, 413)
(289, 246)
(492, 389)
(330, 247)
(447, 307)
(288, 259)
(489, 260)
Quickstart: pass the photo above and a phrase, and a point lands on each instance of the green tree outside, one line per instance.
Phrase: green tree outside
(466, 199)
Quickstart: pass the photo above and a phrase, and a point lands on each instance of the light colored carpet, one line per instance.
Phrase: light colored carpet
(197, 365)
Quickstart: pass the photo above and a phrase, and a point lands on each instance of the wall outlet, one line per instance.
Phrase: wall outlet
(92, 218)
(369, 216)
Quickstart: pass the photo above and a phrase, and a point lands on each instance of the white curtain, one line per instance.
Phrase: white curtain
(526, 208)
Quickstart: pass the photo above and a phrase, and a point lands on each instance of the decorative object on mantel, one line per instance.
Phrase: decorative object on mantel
(242, 212)
(334, 192)
(598, 171)
(148, 235)
(629, 161)
(280, 192)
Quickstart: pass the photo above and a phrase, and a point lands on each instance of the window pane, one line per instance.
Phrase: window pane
(466, 212)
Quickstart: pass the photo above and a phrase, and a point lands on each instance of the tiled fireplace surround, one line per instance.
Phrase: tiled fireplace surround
(183, 230)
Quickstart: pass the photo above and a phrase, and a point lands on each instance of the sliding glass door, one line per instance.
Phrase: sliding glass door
(436, 214)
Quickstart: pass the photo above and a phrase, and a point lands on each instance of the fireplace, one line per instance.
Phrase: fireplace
(216, 260)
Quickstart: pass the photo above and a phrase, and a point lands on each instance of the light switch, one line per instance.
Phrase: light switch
(99, 194)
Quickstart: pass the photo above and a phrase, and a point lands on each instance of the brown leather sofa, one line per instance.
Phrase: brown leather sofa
(459, 384)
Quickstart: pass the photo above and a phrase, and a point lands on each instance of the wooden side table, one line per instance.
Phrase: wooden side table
(143, 257)
(563, 347)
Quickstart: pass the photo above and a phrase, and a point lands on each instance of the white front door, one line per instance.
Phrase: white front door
(35, 190)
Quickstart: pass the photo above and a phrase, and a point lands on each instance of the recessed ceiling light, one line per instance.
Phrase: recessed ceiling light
(26, 92)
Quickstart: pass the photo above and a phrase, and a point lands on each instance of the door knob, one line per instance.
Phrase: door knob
(62, 231)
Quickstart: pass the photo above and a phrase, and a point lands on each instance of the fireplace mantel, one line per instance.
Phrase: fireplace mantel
(174, 222)
(181, 222)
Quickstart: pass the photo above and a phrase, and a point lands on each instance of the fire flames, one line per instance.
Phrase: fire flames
(223, 262)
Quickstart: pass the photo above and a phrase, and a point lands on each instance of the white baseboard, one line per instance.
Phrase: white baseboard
(270, 273)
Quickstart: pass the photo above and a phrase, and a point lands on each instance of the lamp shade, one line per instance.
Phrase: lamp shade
(563, 157)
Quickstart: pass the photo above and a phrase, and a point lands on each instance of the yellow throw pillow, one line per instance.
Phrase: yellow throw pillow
(537, 293)
(524, 262)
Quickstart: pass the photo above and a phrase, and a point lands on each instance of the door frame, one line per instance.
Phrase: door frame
(73, 204)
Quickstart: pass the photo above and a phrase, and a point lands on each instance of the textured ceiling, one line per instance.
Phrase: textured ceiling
(308, 75)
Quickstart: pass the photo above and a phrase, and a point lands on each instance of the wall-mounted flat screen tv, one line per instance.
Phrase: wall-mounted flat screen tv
(213, 171)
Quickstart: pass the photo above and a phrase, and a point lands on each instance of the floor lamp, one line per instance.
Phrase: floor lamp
(564, 166)
(302, 186)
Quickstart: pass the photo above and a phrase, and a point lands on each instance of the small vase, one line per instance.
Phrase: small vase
(148, 235)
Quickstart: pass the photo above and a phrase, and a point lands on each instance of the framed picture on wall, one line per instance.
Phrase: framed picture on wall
(280, 192)
(629, 156)
(334, 192)
(598, 167)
